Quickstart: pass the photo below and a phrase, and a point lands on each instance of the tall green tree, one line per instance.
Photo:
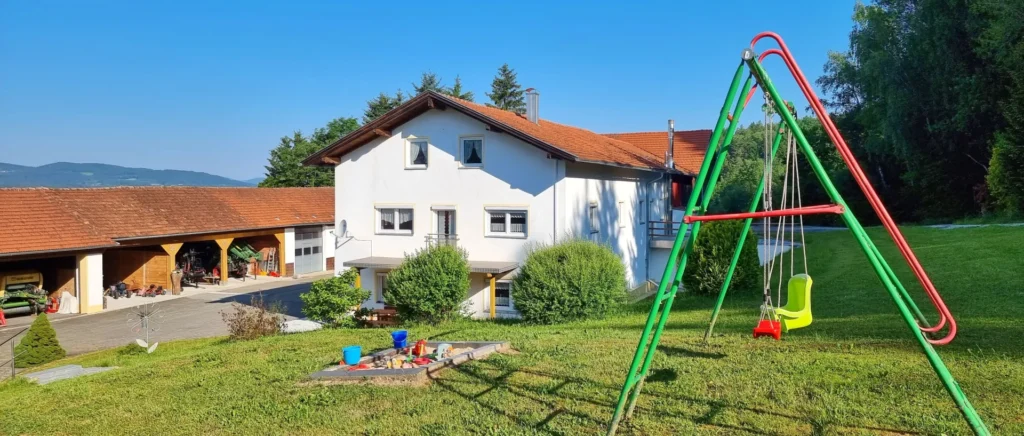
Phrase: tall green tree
(1003, 44)
(922, 101)
(506, 93)
(381, 105)
(428, 82)
(457, 92)
(285, 167)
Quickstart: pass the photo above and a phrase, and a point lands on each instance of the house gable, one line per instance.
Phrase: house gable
(558, 140)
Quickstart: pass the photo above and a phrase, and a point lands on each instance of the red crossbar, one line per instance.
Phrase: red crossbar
(809, 210)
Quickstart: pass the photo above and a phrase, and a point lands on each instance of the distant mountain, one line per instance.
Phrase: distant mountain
(92, 175)
(254, 180)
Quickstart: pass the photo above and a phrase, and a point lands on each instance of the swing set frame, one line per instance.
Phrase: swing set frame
(740, 93)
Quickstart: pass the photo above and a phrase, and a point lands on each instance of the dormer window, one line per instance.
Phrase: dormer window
(471, 149)
(416, 153)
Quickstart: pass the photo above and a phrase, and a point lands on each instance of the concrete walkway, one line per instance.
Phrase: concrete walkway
(189, 316)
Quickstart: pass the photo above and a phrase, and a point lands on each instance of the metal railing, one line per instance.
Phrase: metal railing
(10, 363)
(663, 229)
(442, 239)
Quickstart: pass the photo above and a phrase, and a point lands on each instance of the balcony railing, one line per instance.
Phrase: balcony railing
(664, 229)
(442, 239)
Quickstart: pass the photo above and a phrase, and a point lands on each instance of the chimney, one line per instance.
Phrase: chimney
(670, 161)
(532, 105)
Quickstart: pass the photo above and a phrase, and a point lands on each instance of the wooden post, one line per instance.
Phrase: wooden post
(280, 253)
(172, 252)
(494, 309)
(224, 244)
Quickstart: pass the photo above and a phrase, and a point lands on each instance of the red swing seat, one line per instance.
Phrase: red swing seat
(767, 327)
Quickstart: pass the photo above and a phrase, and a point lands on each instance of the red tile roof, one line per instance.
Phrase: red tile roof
(566, 142)
(33, 221)
(585, 145)
(689, 146)
(44, 219)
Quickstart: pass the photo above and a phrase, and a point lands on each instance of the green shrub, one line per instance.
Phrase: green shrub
(39, 345)
(430, 285)
(571, 280)
(709, 261)
(331, 300)
(1005, 177)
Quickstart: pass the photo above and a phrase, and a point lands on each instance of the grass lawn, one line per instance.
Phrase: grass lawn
(856, 370)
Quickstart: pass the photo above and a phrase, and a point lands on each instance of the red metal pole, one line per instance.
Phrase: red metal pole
(865, 186)
(809, 210)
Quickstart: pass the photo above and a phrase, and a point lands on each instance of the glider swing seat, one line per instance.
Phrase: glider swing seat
(796, 313)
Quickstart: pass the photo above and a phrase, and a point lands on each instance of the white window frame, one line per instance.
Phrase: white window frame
(380, 280)
(395, 208)
(408, 148)
(483, 151)
(593, 218)
(508, 211)
(511, 304)
(434, 218)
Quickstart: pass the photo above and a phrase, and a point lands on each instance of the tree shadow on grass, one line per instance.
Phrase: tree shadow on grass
(662, 376)
(480, 374)
(480, 377)
(673, 351)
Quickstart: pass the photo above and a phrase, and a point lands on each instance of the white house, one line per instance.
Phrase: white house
(443, 170)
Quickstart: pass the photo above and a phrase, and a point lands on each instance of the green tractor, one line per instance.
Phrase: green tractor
(22, 292)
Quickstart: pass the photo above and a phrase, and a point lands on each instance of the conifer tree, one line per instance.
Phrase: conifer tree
(39, 345)
(428, 82)
(506, 93)
(381, 105)
(456, 91)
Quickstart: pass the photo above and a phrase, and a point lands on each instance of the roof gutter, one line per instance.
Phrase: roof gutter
(611, 164)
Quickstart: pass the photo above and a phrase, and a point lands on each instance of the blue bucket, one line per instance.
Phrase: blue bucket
(399, 338)
(352, 354)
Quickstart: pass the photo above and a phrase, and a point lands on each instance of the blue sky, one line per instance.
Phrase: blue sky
(212, 86)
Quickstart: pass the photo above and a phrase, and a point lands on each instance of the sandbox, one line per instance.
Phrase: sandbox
(462, 351)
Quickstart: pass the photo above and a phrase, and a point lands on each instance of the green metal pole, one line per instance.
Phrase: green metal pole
(739, 246)
(958, 396)
(705, 199)
(903, 291)
(631, 377)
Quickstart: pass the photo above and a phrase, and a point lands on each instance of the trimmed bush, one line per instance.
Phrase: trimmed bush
(430, 285)
(332, 300)
(709, 261)
(39, 345)
(571, 280)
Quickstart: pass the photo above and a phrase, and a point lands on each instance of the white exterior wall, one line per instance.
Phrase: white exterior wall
(330, 244)
(289, 246)
(515, 174)
(624, 227)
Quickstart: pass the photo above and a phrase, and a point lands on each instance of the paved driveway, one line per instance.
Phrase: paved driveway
(189, 317)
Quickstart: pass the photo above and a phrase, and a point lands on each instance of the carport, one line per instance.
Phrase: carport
(82, 240)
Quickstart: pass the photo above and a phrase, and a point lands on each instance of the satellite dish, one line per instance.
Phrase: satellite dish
(342, 228)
